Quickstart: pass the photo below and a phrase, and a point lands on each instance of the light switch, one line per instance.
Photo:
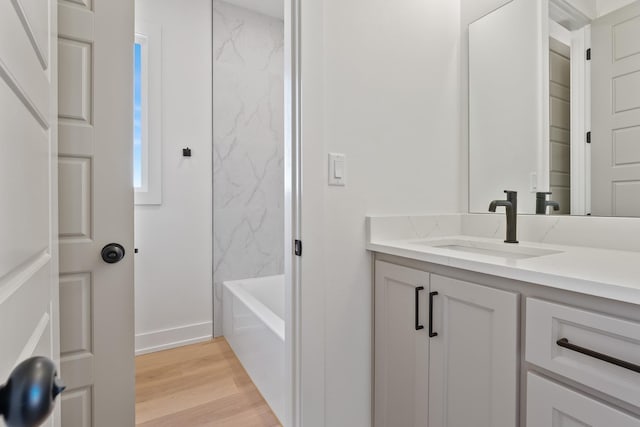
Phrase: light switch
(338, 172)
(337, 169)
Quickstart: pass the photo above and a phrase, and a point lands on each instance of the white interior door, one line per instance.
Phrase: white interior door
(28, 216)
(95, 110)
(615, 136)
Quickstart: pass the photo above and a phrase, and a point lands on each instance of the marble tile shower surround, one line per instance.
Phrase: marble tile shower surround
(597, 232)
(248, 147)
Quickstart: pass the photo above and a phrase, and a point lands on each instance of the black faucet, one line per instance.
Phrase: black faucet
(511, 205)
(542, 203)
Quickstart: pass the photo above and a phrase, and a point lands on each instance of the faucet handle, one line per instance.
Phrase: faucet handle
(511, 194)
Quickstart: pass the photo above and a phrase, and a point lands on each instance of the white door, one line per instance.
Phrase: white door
(401, 346)
(28, 215)
(552, 405)
(615, 133)
(473, 361)
(95, 110)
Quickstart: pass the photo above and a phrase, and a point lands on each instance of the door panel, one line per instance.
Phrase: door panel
(402, 352)
(473, 361)
(95, 51)
(28, 219)
(616, 113)
(77, 404)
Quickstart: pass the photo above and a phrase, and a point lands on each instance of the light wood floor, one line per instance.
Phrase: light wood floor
(198, 385)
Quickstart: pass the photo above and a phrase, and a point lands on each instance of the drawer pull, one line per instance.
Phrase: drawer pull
(418, 325)
(564, 342)
(431, 333)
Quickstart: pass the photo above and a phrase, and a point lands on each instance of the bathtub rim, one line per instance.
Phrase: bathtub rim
(274, 322)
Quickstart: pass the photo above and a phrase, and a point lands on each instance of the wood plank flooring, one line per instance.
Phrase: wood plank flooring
(196, 386)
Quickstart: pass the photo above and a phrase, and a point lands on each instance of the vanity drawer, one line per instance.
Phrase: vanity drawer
(551, 328)
(551, 404)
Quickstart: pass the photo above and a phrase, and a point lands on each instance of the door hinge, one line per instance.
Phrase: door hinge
(589, 54)
(298, 247)
(589, 137)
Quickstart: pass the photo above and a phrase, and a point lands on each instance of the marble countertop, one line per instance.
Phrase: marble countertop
(606, 273)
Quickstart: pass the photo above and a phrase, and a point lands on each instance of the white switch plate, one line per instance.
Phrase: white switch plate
(337, 169)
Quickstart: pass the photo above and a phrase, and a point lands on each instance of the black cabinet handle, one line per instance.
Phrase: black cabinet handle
(417, 311)
(564, 342)
(431, 333)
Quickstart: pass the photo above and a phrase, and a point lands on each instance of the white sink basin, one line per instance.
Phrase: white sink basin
(500, 250)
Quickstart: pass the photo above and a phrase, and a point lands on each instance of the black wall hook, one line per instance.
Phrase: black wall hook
(28, 397)
(186, 152)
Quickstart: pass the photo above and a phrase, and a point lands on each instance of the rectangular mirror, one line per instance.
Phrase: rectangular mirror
(554, 106)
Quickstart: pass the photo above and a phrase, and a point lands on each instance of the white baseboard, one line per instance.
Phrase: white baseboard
(165, 339)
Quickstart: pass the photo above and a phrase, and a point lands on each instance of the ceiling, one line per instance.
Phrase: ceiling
(273, 8)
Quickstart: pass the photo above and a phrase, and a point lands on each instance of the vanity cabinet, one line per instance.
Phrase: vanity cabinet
(473, 361)
(465, 373)
(401, 347)
(552, 404)
(596, 350)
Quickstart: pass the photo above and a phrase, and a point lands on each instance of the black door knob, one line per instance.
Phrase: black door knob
(112, 253)
(27, 399)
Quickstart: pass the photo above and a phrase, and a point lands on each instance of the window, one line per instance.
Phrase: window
(137, 116)
(147, 138)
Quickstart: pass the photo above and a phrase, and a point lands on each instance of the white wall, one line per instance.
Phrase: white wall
(380, 83)
(248, 147)
(596, 8)
(607, 6)
(173, 268)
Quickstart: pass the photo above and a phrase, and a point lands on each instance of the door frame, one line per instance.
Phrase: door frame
(578, 24)
(580, 122)
(293, 210)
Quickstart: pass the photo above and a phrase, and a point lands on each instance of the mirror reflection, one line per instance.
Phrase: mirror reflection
(554, 107)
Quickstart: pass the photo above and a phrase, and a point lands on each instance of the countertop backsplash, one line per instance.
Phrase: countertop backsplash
(597, 232)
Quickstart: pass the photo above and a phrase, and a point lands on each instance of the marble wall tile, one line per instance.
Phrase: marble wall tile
(248, 147)
(598, 232)
(413, 227)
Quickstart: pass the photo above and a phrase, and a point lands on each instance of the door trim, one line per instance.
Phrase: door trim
(292, 203)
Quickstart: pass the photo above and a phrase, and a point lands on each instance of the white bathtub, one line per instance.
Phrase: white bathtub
(253, 324)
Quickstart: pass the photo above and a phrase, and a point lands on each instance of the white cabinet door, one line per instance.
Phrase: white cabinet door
(552, 405)
(401, 348)
(473, 365)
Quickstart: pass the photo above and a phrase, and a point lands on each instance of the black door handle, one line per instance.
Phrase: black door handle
(418, 325)
(431, 333)
(27, 399)
(112, 253)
